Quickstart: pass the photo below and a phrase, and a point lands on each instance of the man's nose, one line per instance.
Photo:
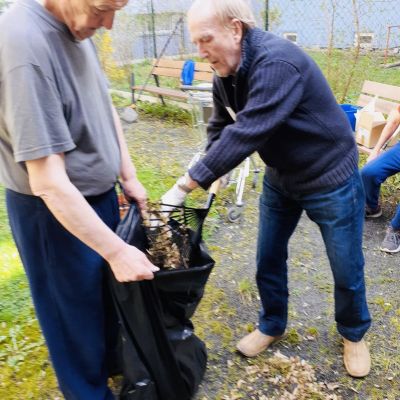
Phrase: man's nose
(108, 19)
(203, 53)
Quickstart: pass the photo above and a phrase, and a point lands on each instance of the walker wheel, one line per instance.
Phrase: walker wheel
(234, 214)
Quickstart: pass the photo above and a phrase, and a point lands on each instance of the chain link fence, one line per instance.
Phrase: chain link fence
(351, 40)
(143, 28)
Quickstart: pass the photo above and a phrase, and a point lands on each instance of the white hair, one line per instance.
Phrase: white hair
(109, 4)
(226, 10)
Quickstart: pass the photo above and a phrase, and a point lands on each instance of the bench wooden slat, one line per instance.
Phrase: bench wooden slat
(167, 63)
(386, 98)
(178, 94)
(389, 92)
(176, 73)
(203, 67)
(166, 67)
(173, 73)
(382, 105)
(178, 64)
(203, 76)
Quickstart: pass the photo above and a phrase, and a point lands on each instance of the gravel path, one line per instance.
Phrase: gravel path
(229, 307)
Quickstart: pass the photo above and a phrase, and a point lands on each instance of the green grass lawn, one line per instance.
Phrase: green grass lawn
(22, 350)
(336, 68)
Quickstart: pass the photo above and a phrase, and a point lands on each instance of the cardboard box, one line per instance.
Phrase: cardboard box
(369, 128)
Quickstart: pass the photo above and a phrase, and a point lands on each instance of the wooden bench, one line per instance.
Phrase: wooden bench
(171, 69)
(387, 98)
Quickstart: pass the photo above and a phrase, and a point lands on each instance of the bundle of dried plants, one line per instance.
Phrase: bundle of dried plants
(168, 245)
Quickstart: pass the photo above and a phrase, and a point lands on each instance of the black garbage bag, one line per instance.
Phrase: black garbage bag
(162, 358)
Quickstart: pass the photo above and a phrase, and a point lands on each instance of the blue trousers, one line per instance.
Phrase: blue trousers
(339, 214)
(69, 293)
(376, 172)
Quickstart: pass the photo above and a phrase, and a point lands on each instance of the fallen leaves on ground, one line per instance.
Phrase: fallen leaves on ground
(282, 378)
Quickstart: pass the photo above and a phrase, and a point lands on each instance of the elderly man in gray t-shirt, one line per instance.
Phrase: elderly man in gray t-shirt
(61, 152)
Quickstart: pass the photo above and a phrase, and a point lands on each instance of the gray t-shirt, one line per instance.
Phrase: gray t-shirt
(53, 99)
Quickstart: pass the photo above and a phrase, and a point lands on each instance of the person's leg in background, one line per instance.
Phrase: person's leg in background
(376, 172)
(66, 281)
(391, 242)
(395, 222)
(340, 216)
(278, 218)
(373, 175)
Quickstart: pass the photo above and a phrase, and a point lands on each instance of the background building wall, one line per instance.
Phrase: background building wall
(314, 23)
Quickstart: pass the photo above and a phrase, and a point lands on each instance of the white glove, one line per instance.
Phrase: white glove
(174, 197)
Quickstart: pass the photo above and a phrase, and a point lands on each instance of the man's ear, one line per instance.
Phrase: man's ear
(237, 28)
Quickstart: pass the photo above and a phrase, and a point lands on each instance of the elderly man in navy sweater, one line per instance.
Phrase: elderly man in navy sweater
(270, 97)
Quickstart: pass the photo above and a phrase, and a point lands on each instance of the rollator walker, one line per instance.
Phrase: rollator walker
(200, 99)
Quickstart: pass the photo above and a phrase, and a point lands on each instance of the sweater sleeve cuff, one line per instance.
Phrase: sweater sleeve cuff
(202, 175)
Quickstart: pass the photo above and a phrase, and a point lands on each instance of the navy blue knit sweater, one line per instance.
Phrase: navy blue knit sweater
(285, 111)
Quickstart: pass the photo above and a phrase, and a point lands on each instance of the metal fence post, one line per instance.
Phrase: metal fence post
(132, 87)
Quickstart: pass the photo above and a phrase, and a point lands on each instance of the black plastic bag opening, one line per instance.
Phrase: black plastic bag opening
(162, 358)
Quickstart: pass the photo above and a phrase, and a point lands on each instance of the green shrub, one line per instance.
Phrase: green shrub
(168, 112)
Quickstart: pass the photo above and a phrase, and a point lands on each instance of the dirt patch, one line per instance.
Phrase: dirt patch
(229, 308)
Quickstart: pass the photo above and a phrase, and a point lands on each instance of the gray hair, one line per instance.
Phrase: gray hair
(226, 10)
(109, 4)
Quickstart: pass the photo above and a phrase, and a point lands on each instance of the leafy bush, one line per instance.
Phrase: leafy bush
(168, 112)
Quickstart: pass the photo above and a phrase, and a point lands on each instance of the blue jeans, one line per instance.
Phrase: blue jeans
(67, 282)
(376, 172)
(339, 214)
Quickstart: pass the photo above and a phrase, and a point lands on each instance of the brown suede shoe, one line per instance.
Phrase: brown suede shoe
(356, 358)
(255, 343)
